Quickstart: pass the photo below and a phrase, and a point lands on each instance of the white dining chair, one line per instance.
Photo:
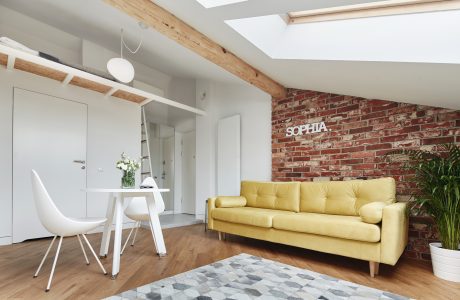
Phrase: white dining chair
(138, 211)
(61, 226)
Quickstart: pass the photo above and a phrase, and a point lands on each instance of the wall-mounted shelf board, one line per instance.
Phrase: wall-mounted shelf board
(14, 59)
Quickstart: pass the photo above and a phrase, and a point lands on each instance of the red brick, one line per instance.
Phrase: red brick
(441, 140)
(362, 154)
(348, 108)
(378, 146)
(394, 138)
(374, 115)
(361, 129)
(330, 151)
(385, 106)
(371, 141)
(301, 169)
(301, 158)
(351, 161)
(364, 167)
(352, 149)
(437, 125)
(340, 156)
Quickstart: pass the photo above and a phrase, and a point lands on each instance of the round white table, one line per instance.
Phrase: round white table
(117, 197)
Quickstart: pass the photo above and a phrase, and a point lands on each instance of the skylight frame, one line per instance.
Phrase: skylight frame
(218, 3)
(372, 9)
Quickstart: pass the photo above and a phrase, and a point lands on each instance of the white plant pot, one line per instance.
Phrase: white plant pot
(446, 263)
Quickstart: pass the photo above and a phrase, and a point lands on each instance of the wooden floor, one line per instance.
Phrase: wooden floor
(188, 248)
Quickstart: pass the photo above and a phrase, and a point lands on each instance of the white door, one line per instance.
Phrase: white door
(168, 172)
(188, 173)
(49, 135)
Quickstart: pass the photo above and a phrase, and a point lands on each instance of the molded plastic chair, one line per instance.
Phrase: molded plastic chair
(138, 211)
(59, 225)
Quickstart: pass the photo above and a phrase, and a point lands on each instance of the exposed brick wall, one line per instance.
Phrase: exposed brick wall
(361, 132)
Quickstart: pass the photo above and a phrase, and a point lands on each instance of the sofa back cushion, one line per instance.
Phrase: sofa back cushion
(345, 197)
(272, 195)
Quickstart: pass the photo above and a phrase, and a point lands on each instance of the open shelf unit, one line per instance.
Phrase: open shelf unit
(14, 59)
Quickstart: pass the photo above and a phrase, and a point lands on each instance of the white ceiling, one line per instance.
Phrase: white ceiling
(423, 83)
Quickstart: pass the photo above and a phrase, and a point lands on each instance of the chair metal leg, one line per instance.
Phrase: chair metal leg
(127, 240)
(135, 233)
(83, 249)
(44, 257)
(54, 263)
(94, 253)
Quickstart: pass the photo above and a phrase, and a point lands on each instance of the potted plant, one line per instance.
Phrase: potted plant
(437, 176)
(129, 167)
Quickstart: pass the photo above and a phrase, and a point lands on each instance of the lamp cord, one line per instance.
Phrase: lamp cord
(122, 43)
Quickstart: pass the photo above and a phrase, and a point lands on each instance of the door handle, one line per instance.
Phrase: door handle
(79, 161)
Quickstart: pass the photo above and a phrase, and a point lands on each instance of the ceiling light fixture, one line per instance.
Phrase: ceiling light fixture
(121, 68)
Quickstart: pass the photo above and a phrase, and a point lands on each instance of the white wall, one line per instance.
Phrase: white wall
(40, 36)
(224, 100)
(6, 154)
(182, 90)
(113, 127)
(96, 56)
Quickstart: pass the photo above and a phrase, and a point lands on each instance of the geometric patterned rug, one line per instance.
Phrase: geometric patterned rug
(246, 276)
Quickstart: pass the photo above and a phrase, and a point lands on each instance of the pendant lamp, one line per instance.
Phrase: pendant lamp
(120, 67)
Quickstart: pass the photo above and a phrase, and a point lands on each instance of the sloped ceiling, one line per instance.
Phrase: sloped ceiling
(426, 82)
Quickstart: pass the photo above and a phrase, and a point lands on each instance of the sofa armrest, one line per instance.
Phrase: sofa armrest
(395, 224)
(231, 201)
(211, 206)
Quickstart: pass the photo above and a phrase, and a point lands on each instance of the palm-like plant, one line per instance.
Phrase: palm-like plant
(437, 176)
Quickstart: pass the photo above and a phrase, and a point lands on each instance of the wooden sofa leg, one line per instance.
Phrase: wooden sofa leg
(374, 268)
(220, 235)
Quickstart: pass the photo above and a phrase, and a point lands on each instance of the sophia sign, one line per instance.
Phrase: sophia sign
(306, 128)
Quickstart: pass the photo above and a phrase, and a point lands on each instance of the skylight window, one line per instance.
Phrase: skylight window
(216, 3)
(372, 9)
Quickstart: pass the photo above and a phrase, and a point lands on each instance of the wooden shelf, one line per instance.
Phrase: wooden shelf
(14, 59)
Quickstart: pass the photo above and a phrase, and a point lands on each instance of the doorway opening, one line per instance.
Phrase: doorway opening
(168, 152)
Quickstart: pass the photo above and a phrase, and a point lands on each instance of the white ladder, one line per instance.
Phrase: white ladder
(146, 162)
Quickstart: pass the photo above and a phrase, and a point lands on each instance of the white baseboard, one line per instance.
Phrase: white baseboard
(6, 240)
(199, 217)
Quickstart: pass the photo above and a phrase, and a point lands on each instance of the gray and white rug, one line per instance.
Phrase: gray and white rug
(245, 276)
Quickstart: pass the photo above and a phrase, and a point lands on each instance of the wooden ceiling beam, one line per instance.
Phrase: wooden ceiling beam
(169, 25)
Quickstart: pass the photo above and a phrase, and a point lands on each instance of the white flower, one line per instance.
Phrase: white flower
(126, 164)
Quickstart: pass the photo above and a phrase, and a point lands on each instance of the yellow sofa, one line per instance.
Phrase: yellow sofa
(358, 218)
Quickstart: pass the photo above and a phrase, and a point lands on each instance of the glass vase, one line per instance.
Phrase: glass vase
(128, 181)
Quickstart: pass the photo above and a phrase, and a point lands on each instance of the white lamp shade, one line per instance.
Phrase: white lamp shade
(121, 69)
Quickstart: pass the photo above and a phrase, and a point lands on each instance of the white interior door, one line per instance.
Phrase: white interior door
(49, 135)
(188, 173)
(168, 172)
(228, 156)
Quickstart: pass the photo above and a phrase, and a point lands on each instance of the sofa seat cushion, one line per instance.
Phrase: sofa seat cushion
(253, 216)
(346, 227)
